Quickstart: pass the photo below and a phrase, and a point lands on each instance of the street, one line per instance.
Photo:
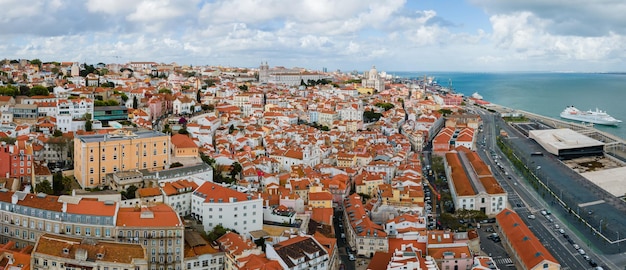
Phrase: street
(525, 200)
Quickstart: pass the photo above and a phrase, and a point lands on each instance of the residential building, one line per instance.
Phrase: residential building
(122, 150)
(55, 252)
(105, 114)
(159, 229)
(299, 252)
(365, 236)
(184, 105)
(17, 160)
(183, 146)
(13, 258)
(236, 248)
(201, 255)
(24, 111)
(25, 217)
(522, 245)
(405, 223)
(213, 204)
(472, 185)
(178, 195)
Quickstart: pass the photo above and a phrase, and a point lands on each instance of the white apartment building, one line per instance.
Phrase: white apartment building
(177, 194)
(76, 108)
(213, 204)
(472, 185)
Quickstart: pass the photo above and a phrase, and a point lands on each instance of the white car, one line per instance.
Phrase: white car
(557, 226)
(576, 246)
(561, 231)
(581, 251)
(351, 257)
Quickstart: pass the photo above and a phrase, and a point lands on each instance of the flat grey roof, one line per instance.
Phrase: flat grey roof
(140, 134)
(554, 140)
(611, 180)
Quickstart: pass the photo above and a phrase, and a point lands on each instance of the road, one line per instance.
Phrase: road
(525, 200)
(341, 243)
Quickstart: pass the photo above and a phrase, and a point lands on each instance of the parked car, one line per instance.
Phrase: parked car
(562, 231)
(581, 251)
(576, 246)
(531, 216)
(351, 257)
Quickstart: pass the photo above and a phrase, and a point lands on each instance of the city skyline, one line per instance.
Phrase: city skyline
(394, 35)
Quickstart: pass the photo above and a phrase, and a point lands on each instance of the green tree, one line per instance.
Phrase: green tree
(217, 232)
(112, 102)
(183, 131)
(135, 102)
(130, 192)
(165, 91)
(198, 96)
(57, 133)
(208, 160)
(445, 112)
(88, 123)
(386, 106)
(38, 90)
(124, 97)
(44, 187)
(235, 170)
(88, 126)
(36, 62)
(243, 87)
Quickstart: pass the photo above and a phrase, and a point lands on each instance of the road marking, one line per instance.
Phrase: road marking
(504, 261)
(591, 203)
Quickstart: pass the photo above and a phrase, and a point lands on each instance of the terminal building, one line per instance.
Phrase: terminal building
(566, 143)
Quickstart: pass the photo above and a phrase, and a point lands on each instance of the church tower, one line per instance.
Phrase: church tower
(264, 73)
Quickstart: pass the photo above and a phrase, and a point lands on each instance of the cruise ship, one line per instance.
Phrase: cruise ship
(596, 117)
(477, 96)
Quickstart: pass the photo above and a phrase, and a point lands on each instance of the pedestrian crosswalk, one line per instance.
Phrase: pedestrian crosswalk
(503, 261)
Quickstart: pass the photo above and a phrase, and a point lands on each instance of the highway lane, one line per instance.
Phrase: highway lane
(525, 202)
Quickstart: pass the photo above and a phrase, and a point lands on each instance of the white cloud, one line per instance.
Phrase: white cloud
(347, 34)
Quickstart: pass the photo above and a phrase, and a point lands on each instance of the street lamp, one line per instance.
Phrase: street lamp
(601, 226)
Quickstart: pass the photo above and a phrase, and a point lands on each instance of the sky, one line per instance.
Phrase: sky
(393, 35)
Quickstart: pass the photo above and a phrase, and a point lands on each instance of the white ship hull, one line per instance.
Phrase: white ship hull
(596, 117)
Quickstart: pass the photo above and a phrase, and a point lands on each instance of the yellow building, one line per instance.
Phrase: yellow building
(123, 150)
(365, 90)
(367, 183)
(322, 199)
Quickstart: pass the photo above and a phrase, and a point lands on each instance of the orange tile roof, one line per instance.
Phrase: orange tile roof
(438, 252)
(323, 215)
(215, 193)
(53, 245)
(149, 192)
(320, 196)
(235, 244)
(522, 240)
(180, 186)
(160, 215)
(183, 141)
(258, 262)
(92, 207)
